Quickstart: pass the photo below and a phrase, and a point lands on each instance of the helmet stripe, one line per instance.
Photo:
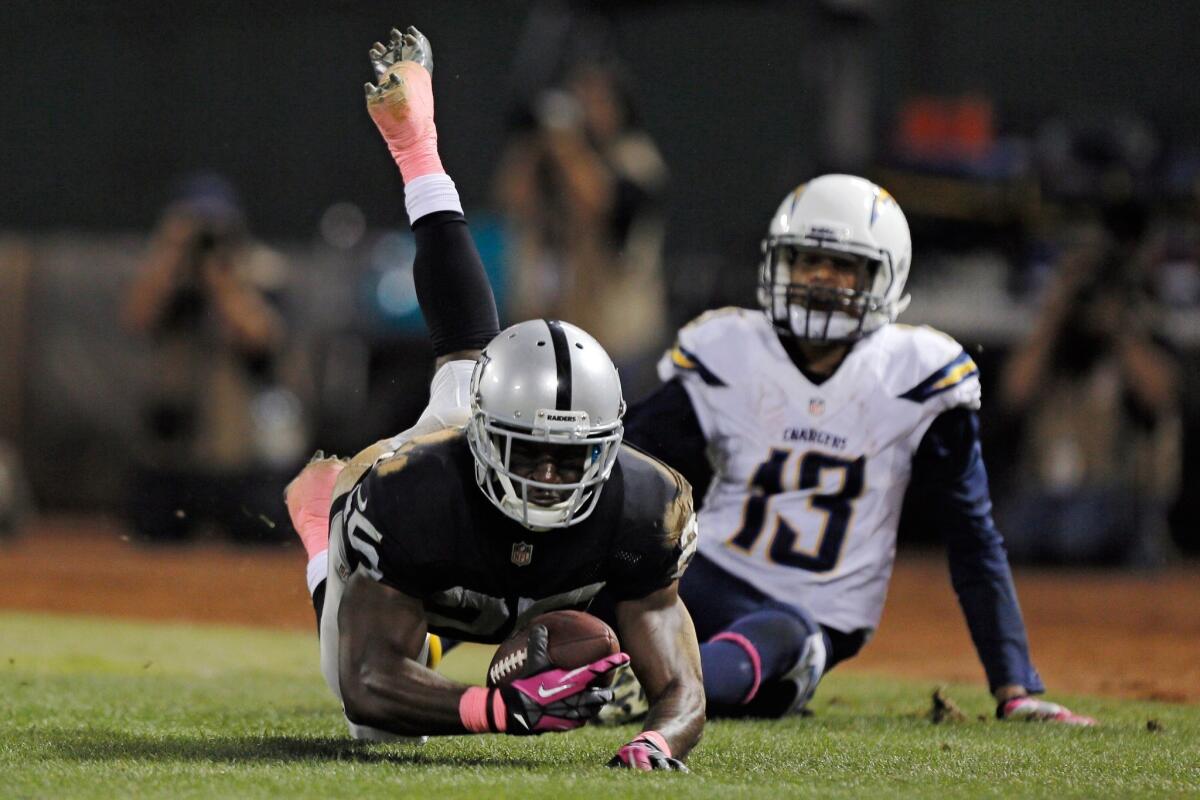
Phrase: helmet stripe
(562, 362)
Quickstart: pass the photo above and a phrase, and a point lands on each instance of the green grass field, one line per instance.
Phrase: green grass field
(100, 708)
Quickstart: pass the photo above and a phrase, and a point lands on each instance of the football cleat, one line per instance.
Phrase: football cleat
(1030, 709)
(400, 101)
(629, 703)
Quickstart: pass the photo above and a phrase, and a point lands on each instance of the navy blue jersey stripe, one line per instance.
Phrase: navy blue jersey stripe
(562, 362)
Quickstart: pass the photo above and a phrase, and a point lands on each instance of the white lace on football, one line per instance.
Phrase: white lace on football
(509, 664)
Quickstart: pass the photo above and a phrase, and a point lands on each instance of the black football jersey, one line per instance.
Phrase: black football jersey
(418, 522)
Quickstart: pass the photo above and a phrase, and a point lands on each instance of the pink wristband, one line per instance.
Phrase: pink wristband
(474, 707)
(655, 738)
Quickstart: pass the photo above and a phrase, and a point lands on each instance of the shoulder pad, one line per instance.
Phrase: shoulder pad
(711, 346)
(661, 539)
(931, 367)
(419, 448)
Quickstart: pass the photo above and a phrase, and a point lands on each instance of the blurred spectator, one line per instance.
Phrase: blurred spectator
(1099, 395)
(581, 185)
(15, 496)
(222, 431)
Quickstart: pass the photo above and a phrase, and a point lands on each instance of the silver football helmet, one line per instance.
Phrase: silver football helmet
(839, 215)
(545, 383)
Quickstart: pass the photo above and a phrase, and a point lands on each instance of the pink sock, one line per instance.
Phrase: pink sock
(405, 119)
(473, 710)
(309, 497)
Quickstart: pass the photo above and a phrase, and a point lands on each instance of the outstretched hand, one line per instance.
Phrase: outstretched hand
(647, 752)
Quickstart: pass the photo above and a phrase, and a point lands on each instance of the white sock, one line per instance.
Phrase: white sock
(318, 569)
(430, 193)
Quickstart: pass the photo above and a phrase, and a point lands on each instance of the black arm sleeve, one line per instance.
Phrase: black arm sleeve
(949, 474)
(666, 426)
(452, 288)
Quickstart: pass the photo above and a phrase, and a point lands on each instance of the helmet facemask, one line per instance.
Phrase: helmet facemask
(837, 216)
(545, 427)
(818, 313)
(579, 452)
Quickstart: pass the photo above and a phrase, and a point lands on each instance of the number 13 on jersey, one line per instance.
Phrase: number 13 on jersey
(789, 537)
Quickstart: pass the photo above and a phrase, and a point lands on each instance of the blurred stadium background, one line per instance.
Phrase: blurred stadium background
(1004, 129)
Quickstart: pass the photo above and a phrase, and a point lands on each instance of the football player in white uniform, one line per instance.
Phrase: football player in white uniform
(801, 428)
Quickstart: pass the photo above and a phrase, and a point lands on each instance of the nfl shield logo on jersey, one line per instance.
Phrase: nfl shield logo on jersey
(816, 406)
(522, 553)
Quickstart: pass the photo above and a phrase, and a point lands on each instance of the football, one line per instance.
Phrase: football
(574, 639)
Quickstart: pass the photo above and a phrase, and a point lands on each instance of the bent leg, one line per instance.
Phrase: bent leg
(767, 663)
(309, 497)
(761, 657)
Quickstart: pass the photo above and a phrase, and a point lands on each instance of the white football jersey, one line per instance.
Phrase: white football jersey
(809, 479)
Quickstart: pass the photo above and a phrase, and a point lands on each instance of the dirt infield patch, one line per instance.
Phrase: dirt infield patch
(1107, 633)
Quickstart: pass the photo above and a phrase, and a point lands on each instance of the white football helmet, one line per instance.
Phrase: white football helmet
(836, 214)
(549, 382)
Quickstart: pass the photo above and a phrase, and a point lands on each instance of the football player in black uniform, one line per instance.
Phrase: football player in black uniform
(513, 495)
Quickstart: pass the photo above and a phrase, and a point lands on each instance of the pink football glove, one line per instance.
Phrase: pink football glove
(551, 700)
(558, 699)
(649, 751)
(1030, 709)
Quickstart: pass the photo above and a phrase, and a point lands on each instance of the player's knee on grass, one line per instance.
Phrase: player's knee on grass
(790, 693)
(766, 664)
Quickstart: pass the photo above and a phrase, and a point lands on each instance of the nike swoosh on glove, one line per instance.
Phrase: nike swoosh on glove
(558, 699)
(1030, 709)
(649, 751)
